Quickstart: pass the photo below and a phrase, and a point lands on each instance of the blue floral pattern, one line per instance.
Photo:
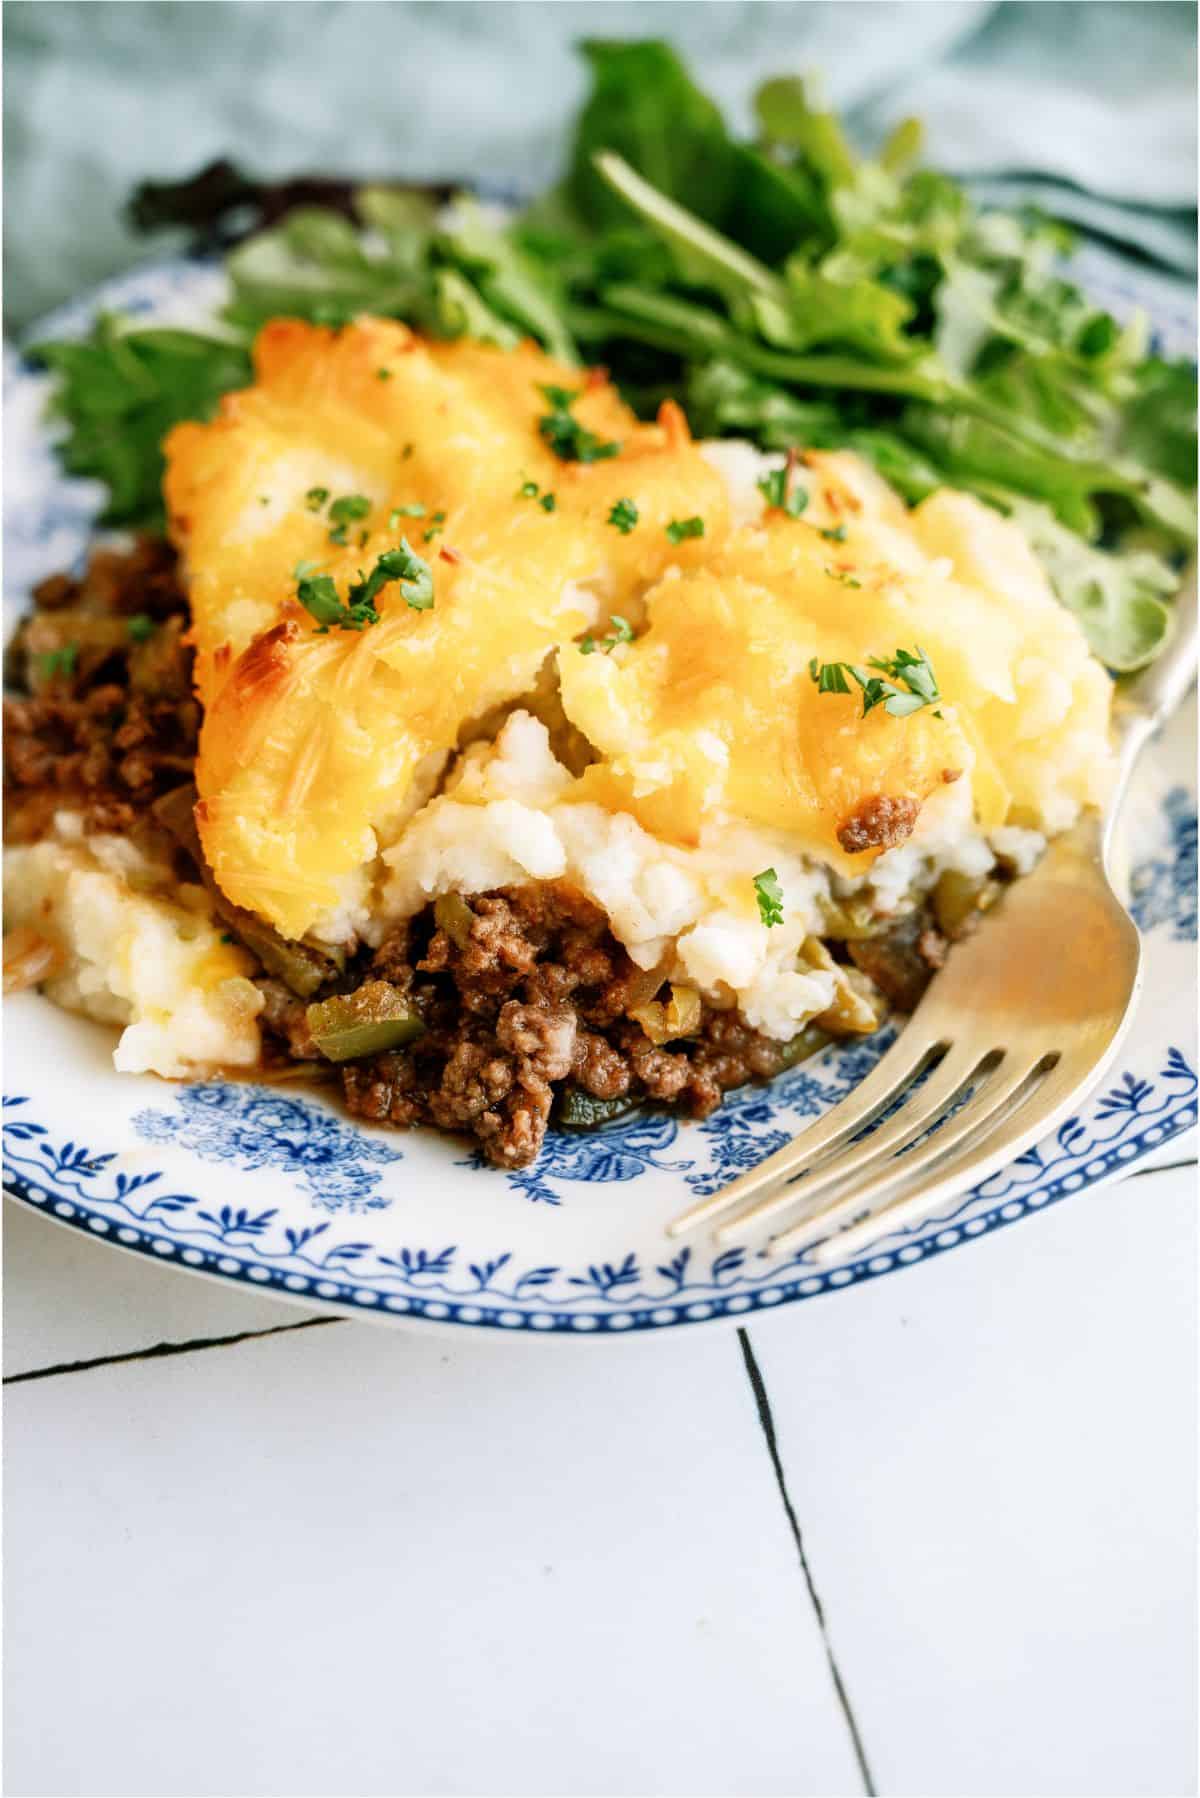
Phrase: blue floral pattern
(256, 1127)
(1163, 887)
(747, 1128)
(1137, 1113)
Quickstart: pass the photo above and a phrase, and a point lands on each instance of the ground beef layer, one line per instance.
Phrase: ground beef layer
(103, 720)
(526, 999)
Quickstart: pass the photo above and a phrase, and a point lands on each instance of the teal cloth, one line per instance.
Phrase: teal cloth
(1089, 108)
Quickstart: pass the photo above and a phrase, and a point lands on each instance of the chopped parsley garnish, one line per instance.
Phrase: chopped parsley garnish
(414, 510)
(315, 498)
(769, 894)
(680, 528)
(844, 576)
(140, 627)
(404, 565)
(383, 374)
(318, 595)
(264, 499)
(349, 507)
(227, 938)
(528, 490)
(623, 516)
(435, 530)
(344, 511)
(622, 632)
(57, 661)
(912, 672)
(837, 535)
(779, 490)
(406, 452)
(563, 433)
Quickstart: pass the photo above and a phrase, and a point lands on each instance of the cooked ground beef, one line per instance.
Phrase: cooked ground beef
(878, 823)
(902, 959)
(108, 722)
(526, 992)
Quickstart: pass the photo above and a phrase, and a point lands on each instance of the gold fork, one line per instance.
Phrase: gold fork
(1019, 1024)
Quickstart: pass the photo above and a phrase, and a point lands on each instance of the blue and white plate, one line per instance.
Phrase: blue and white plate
(285, 1192)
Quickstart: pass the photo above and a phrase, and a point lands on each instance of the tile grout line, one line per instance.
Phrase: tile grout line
(161, 1349)
(1168, 1167)
(765, 1418)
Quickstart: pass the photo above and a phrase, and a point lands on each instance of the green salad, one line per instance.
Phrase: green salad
(786, 289)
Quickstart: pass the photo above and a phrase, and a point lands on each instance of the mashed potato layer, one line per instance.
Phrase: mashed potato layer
(511, 813)
(130, 955)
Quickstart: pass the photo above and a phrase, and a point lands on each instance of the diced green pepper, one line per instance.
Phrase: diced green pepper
(576, 1110)
(809, 1041)
(847, 920)
(373, 1018)
(452, 914)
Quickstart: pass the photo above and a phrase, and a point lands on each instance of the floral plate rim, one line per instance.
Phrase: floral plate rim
(1116, 1154)
(1141, 1113)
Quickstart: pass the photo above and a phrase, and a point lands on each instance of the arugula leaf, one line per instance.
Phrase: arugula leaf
(1119, 595)
(789, 118)
(460, 311)
(305, 268)
(121, 391)
(701, 254)
(814, 310)
(512, 283)
(645, 108)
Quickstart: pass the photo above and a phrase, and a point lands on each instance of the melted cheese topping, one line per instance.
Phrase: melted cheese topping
(311, 741)
(315, 747)
(714, 710)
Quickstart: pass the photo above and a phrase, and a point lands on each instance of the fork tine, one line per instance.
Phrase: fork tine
(958, 1067)
(1015, 1117)
(893, 1072)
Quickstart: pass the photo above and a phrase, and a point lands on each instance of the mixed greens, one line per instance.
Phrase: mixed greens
(786, 289)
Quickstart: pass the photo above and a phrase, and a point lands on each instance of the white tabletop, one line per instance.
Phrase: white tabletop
(933, 1534)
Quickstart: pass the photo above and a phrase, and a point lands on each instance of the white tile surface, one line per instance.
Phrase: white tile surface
(67, 1298)
(993, 1460)
(351, 1561)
